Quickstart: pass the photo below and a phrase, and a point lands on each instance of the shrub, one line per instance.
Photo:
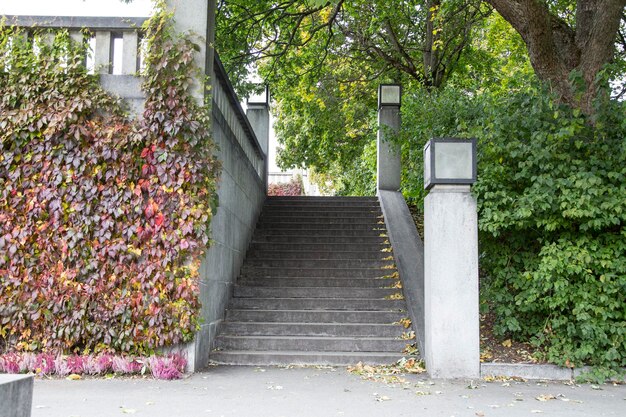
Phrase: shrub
(103, 218)
(161, 367)
(292, 188)
(551, 195)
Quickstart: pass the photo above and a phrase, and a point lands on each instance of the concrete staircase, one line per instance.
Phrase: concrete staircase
(317, 287)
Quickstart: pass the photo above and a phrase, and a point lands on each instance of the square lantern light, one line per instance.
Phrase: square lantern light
(389, 95)
(260, 99)
(449, 161)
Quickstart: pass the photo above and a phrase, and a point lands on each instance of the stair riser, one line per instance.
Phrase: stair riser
(315, 304)
(267, 358)
(309, 227)
(329, 344)
(315, 263)
(272, 220)
(376, 254)
(317, 282)
(287, 316)
(311, 292)
(285, 248)
(320, 235)
(268, 239)
(321, 201)
(276, 213)
(249, 271)
(311, 329)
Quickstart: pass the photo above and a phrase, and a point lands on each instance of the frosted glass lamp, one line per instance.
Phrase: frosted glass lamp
(449, 161)
(389, 95)
(260, 99)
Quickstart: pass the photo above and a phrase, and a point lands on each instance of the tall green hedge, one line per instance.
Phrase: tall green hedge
(551, 194)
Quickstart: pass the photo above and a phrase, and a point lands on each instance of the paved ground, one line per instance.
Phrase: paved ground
(276, 392)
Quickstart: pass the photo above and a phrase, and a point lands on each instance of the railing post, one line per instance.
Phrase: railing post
(130, 41)
(102, 54)
(451, 322)
(388, 165)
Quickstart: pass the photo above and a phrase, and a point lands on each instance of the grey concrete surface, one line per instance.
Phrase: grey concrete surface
(276, 392)
(451, 319)
(408, 252)
(16, 393)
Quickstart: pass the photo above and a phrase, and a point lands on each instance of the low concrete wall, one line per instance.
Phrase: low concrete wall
(241, 197)
(16, 395)
(408, 252)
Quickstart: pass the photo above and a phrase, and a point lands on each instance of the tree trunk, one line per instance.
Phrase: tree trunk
(556, 49)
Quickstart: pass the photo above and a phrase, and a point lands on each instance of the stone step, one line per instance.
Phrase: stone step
(313, 282)
(308, 227)
(311, 292)
(278, 211)
(236, 357)
(315, 316)
(320, 254)
(273, 303)
(287, 247)
(327, 239)
(324, 235)
(318, 263)
(310, 343)
(311, 329)
(372, 219)
(272, 272)
(319, 200)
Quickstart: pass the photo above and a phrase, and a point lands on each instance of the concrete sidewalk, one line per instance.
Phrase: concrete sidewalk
(302, 392)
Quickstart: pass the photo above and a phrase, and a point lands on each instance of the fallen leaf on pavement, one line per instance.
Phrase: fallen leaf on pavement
(545, 397)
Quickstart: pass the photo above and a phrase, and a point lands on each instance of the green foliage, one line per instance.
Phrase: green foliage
(324, 62)
(552, 216)
(102, 218)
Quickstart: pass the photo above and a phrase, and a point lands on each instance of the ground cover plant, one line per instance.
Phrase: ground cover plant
(103, 217)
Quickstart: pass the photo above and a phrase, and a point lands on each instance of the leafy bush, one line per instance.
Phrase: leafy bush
(102, 218)
(292, 188)
(552, 215)
(161, 367)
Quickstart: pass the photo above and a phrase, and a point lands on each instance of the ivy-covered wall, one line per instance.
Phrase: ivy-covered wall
(103, 218)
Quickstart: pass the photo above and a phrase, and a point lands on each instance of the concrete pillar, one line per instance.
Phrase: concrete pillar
(388, 165)
(103, 52)
(129, 52)
(197, 17)
(259, 117)
(452, 344)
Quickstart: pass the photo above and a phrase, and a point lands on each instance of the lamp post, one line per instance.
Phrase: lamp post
(451, 260)
(388, 166)
(258, 113)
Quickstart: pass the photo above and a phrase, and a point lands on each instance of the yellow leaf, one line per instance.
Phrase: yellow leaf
(507, 343)
(73, 377)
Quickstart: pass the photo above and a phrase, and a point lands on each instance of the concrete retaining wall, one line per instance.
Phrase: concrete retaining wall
(241, 196)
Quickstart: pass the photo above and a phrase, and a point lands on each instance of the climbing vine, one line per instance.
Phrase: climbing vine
(103, 217)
